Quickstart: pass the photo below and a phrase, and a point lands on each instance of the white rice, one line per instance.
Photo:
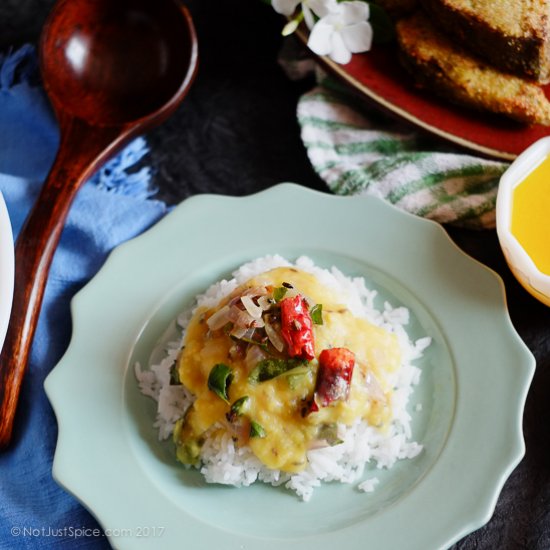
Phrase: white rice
(363, 445)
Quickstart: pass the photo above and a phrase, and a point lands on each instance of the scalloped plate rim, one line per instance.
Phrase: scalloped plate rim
(54, 380)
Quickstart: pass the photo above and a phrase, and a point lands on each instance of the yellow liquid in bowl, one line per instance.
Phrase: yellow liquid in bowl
(531, 215)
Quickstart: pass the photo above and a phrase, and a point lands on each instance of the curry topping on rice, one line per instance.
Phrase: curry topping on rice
(280, 364)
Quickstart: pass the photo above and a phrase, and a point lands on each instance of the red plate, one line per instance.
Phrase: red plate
(378, 76)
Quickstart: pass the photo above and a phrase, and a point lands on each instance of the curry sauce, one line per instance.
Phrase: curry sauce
(275, 415)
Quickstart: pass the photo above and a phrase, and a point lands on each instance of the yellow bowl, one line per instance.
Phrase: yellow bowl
(521, 264)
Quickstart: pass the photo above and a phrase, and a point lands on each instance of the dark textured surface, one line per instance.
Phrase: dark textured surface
(237, 133)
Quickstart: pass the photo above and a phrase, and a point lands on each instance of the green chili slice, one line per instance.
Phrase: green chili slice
(239, 405)
(189, 451)
(188, 447)
(238, 408)
(268, 369)
(175, 375)
(316, 313)
(219, 380)
(329, 432)
(296, 375)
(256, 430)
(279, 293)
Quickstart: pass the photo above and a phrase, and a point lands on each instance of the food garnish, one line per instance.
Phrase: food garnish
(296, 327)
(279, 293)
(280, 368)
(268, 369)
(316, 313)
(256, 430)
(333, 377)
(219, 380)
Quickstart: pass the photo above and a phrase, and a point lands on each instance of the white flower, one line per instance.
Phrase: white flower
(286, 7)
(342, 31)
(309, 7)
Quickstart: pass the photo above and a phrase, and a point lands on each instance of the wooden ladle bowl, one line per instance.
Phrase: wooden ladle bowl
(112, 69)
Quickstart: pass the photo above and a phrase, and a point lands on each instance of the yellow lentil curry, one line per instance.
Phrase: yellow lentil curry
(280, 364)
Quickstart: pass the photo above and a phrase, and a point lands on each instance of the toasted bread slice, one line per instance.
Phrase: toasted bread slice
(513, 35)
(436, 63)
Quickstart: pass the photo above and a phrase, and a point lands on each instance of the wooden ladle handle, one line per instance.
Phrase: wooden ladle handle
(81, 150)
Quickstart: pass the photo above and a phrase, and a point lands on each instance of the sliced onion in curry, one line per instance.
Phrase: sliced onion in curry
(373, 387)
(220, 318)
(273, 335)
(253, 310)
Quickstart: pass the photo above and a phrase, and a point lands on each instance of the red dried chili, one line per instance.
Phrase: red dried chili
(333, 376)
(297, 327)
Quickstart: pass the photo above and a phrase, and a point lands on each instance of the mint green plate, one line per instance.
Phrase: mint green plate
(475, 378)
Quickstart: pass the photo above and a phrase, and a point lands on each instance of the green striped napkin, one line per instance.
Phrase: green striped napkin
(357, 150)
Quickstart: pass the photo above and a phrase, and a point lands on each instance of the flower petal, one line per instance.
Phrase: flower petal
(357, 37)
(353, 11)
(320, 38)
(339, 51)
(285, 7)
(309, 18)
(322, 7)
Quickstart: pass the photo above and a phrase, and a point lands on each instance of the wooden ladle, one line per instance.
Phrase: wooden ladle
(112, 70)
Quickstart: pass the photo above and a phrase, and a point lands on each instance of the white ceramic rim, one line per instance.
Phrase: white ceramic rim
(7, 265)
(514, 252)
